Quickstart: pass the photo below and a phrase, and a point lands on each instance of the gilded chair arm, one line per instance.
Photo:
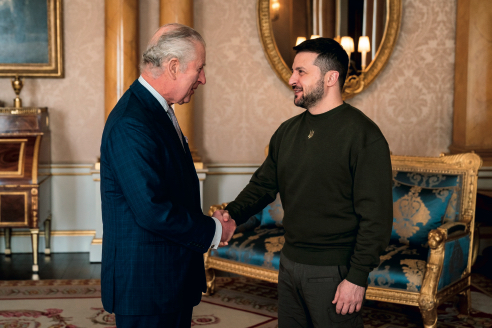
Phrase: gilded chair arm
(214, 208)
(440, 235)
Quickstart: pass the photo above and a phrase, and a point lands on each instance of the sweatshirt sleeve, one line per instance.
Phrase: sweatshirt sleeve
(373, 204)
(261, 190)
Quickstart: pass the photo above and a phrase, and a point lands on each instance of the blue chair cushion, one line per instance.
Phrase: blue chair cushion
(416, 211)
(260, 247)
(435, 180)
(272, 215)
(401, 267)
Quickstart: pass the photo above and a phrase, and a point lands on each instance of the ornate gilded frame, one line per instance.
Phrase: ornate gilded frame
(353, 85)
(54, 67)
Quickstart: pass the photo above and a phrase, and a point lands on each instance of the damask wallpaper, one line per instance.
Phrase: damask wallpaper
(243, 101)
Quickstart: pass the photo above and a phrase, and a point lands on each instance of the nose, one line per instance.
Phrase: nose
(293, 79)
(201, 78)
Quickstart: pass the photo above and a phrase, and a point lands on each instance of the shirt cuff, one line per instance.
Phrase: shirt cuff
(218, 234)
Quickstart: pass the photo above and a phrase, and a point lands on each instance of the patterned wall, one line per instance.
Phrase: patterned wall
(243, 101)
(76, 102)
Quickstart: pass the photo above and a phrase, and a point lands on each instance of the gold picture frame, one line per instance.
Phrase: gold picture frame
(45, 56)
(353, 84)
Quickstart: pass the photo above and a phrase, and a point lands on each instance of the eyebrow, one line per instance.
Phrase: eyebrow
(298, 68)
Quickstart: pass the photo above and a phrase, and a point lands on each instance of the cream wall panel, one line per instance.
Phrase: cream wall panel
(225, 182)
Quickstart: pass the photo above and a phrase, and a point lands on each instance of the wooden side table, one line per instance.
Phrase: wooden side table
(24, 144)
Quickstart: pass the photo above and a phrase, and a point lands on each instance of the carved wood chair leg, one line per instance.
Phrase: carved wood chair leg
(464, 304)
(47, 236)
(429, 317)
(8, 239)
(210, 275)
(35, 241)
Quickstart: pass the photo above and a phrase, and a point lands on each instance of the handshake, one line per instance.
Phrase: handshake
(228, 226)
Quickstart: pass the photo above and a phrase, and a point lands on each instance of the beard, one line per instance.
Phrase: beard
(308, 100)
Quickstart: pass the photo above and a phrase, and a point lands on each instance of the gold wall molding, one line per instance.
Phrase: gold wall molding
(72, 233)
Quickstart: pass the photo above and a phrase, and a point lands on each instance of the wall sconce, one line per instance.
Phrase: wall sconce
(314, 36)
(300, 39)
(348, 45)
(275, 9)
(364, 48)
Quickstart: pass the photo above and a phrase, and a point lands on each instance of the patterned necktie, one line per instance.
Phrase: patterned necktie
(176, 124)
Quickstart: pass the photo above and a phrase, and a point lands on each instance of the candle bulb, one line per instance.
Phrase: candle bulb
(300, 39)
(347, 44)
(364, 47)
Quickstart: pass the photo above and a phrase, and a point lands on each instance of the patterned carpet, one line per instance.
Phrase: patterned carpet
(238, 303)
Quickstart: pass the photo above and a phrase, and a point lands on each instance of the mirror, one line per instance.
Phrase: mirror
(367, 29)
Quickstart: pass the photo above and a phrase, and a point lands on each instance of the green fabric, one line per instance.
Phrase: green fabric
(335, 188)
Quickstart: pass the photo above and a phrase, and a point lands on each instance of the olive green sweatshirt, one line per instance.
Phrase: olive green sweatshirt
(333, 172)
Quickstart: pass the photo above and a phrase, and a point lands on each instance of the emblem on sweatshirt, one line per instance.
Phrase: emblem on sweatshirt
(311, 133)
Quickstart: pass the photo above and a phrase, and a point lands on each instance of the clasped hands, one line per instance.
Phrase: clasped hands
(228, 226)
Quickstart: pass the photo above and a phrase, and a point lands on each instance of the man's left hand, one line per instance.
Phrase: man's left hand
(348, 297)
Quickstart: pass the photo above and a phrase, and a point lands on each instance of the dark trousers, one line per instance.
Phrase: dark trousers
(180, 319)
(305, 295)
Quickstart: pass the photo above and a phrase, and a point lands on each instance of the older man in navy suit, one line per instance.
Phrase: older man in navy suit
(155, 233)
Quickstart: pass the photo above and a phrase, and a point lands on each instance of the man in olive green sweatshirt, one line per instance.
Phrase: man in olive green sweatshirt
(332, 167)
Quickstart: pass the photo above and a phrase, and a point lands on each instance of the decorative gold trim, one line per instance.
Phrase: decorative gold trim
(392, 296)
(75, 166)
(243, 269)
(23, 110)
(393, 22)
(454, 289)
(97, 241)
(35, 160)
(20, 168)
(68, 174)
(54, 68)
(73, 233)
(15, 224)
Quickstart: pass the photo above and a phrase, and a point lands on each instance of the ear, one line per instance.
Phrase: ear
(331, 78)
(173, 68)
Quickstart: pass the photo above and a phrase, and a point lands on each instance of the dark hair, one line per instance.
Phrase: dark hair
(331, 56)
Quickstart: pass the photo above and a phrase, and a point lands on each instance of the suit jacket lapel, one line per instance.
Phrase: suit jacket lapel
(153, 105)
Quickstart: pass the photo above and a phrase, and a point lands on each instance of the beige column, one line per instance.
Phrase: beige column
(181, 11)
(472, 124)
(121, 49)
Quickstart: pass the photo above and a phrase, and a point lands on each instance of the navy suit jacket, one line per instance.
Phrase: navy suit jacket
(154, 231)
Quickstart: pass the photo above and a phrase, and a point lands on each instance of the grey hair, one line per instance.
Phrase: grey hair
(179, 42)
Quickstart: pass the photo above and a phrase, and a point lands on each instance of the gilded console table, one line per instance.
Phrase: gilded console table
(24, 145)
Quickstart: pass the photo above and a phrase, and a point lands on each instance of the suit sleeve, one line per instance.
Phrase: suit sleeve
(261, 190)
(373, 204)
(139, 167)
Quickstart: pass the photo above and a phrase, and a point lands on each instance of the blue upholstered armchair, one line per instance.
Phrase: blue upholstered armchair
(430, 254)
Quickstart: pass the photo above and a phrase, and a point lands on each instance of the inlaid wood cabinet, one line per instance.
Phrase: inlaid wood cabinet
(25, 155)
